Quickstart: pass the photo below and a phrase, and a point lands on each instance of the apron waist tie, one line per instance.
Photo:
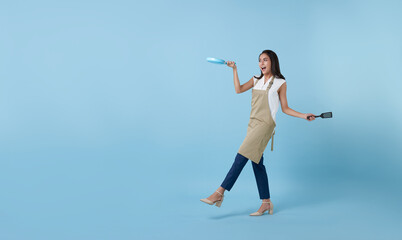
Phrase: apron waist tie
(272, 141)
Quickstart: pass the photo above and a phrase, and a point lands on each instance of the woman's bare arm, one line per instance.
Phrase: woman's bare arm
(239, 88)
(286, 109)
(246, 86)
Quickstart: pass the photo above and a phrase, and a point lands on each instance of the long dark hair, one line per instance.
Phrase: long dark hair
(276, 71)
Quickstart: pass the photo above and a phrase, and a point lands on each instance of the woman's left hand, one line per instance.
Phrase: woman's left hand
(309, 119)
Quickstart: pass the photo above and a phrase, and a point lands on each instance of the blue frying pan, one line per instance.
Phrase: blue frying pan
(216, 60)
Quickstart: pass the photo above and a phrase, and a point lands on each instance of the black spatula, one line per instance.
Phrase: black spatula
(323, 115)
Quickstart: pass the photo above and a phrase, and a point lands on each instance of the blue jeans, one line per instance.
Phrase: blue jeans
(260, 174)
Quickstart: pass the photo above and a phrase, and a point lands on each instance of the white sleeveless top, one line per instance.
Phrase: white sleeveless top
(273, 96)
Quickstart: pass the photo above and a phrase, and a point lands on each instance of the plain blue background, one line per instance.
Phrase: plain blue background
(113, 125)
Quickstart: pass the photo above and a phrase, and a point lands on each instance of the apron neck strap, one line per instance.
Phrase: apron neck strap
(270, 83)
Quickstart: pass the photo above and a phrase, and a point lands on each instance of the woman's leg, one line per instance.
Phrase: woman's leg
(230, 178)
(261, 177)
(234, 171)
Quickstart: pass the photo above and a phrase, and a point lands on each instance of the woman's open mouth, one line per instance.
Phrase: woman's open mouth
(263, 68)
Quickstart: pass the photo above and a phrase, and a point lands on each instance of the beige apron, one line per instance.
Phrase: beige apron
(260, 127)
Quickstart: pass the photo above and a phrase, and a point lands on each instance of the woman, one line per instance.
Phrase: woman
(268, 90)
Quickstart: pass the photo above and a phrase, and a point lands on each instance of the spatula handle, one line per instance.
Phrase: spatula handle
(310, 116)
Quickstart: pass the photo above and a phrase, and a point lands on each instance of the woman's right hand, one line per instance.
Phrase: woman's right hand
(231, 64)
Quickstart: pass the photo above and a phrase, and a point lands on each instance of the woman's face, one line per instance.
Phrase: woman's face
(265, 63)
